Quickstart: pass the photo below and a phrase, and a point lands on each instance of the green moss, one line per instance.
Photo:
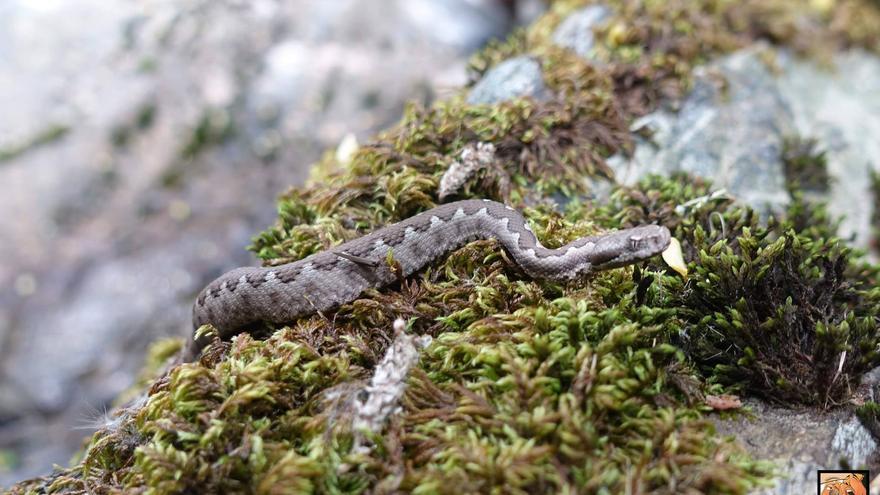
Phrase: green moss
(50, 134)
(529, 386)
(143, 120)
(649, 48)
(805, 165)
(869, 415)
(771, 309)
(778, 316)
(523, 377)
(875, 209)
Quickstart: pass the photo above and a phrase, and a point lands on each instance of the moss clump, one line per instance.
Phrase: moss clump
(523, 377)
(649, 49)
(869, 415)
(787, 313)
(781, 316)
(50, 134)
(805, 165)
(530, 386)
(875, 209)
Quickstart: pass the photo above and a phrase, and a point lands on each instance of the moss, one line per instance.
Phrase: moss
(650, 48)
(146, 115)
(524, 377)
(786, 314)
(48, 135)
(805, 165)
(869, 415)
(530, 386)
(875, 209)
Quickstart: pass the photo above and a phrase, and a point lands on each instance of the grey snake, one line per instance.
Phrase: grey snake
(325, 280)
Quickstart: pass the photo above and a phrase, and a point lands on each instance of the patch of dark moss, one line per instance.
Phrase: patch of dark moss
(48, 135)
(782, 318)
(869, 415)
(875, 209)
(143, 120)
(788, 314)
(805, 166)
(531, 386)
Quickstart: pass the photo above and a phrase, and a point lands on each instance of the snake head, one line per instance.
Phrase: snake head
(629, 246)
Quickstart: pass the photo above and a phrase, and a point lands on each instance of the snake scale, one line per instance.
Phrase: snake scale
(325, 280)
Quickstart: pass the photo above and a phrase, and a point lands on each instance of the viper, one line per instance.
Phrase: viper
(328, 279)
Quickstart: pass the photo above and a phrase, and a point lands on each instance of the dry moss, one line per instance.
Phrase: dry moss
(530, 386)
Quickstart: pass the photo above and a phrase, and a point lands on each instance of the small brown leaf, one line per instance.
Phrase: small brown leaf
(723, 402)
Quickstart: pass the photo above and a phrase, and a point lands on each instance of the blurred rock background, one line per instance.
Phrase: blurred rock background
(143, 144)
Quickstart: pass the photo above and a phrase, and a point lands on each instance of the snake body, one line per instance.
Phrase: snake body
(322, 281)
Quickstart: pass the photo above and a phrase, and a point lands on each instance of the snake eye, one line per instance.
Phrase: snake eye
(635, 243)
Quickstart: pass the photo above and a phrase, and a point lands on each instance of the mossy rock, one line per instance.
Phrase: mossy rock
(529, 386)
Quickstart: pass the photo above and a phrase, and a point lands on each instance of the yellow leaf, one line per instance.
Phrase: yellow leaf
(673, 257)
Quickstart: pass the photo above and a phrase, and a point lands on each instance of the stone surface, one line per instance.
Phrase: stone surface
(575, 32)
(731, 126)
(801, 441)
(730, 133)
(513, 78)
(840, 107)
(139, 155)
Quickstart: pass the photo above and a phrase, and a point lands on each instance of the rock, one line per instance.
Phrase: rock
(801, 441)
(840, 107)
(514, 78)
(575, 32)
(462, 24)
(734, 135)
(139, 156)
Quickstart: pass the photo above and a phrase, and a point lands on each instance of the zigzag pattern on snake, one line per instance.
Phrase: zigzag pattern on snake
(325, 280)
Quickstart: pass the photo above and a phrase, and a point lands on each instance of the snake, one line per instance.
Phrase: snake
(328, 279)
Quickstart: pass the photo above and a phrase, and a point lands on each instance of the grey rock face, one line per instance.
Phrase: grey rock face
(730, 129)
(731, 134)
(461, 24)
(840, 107)
(138, 156)
(800, 442)
(575, 32)
(731, 126)
(515, 77)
